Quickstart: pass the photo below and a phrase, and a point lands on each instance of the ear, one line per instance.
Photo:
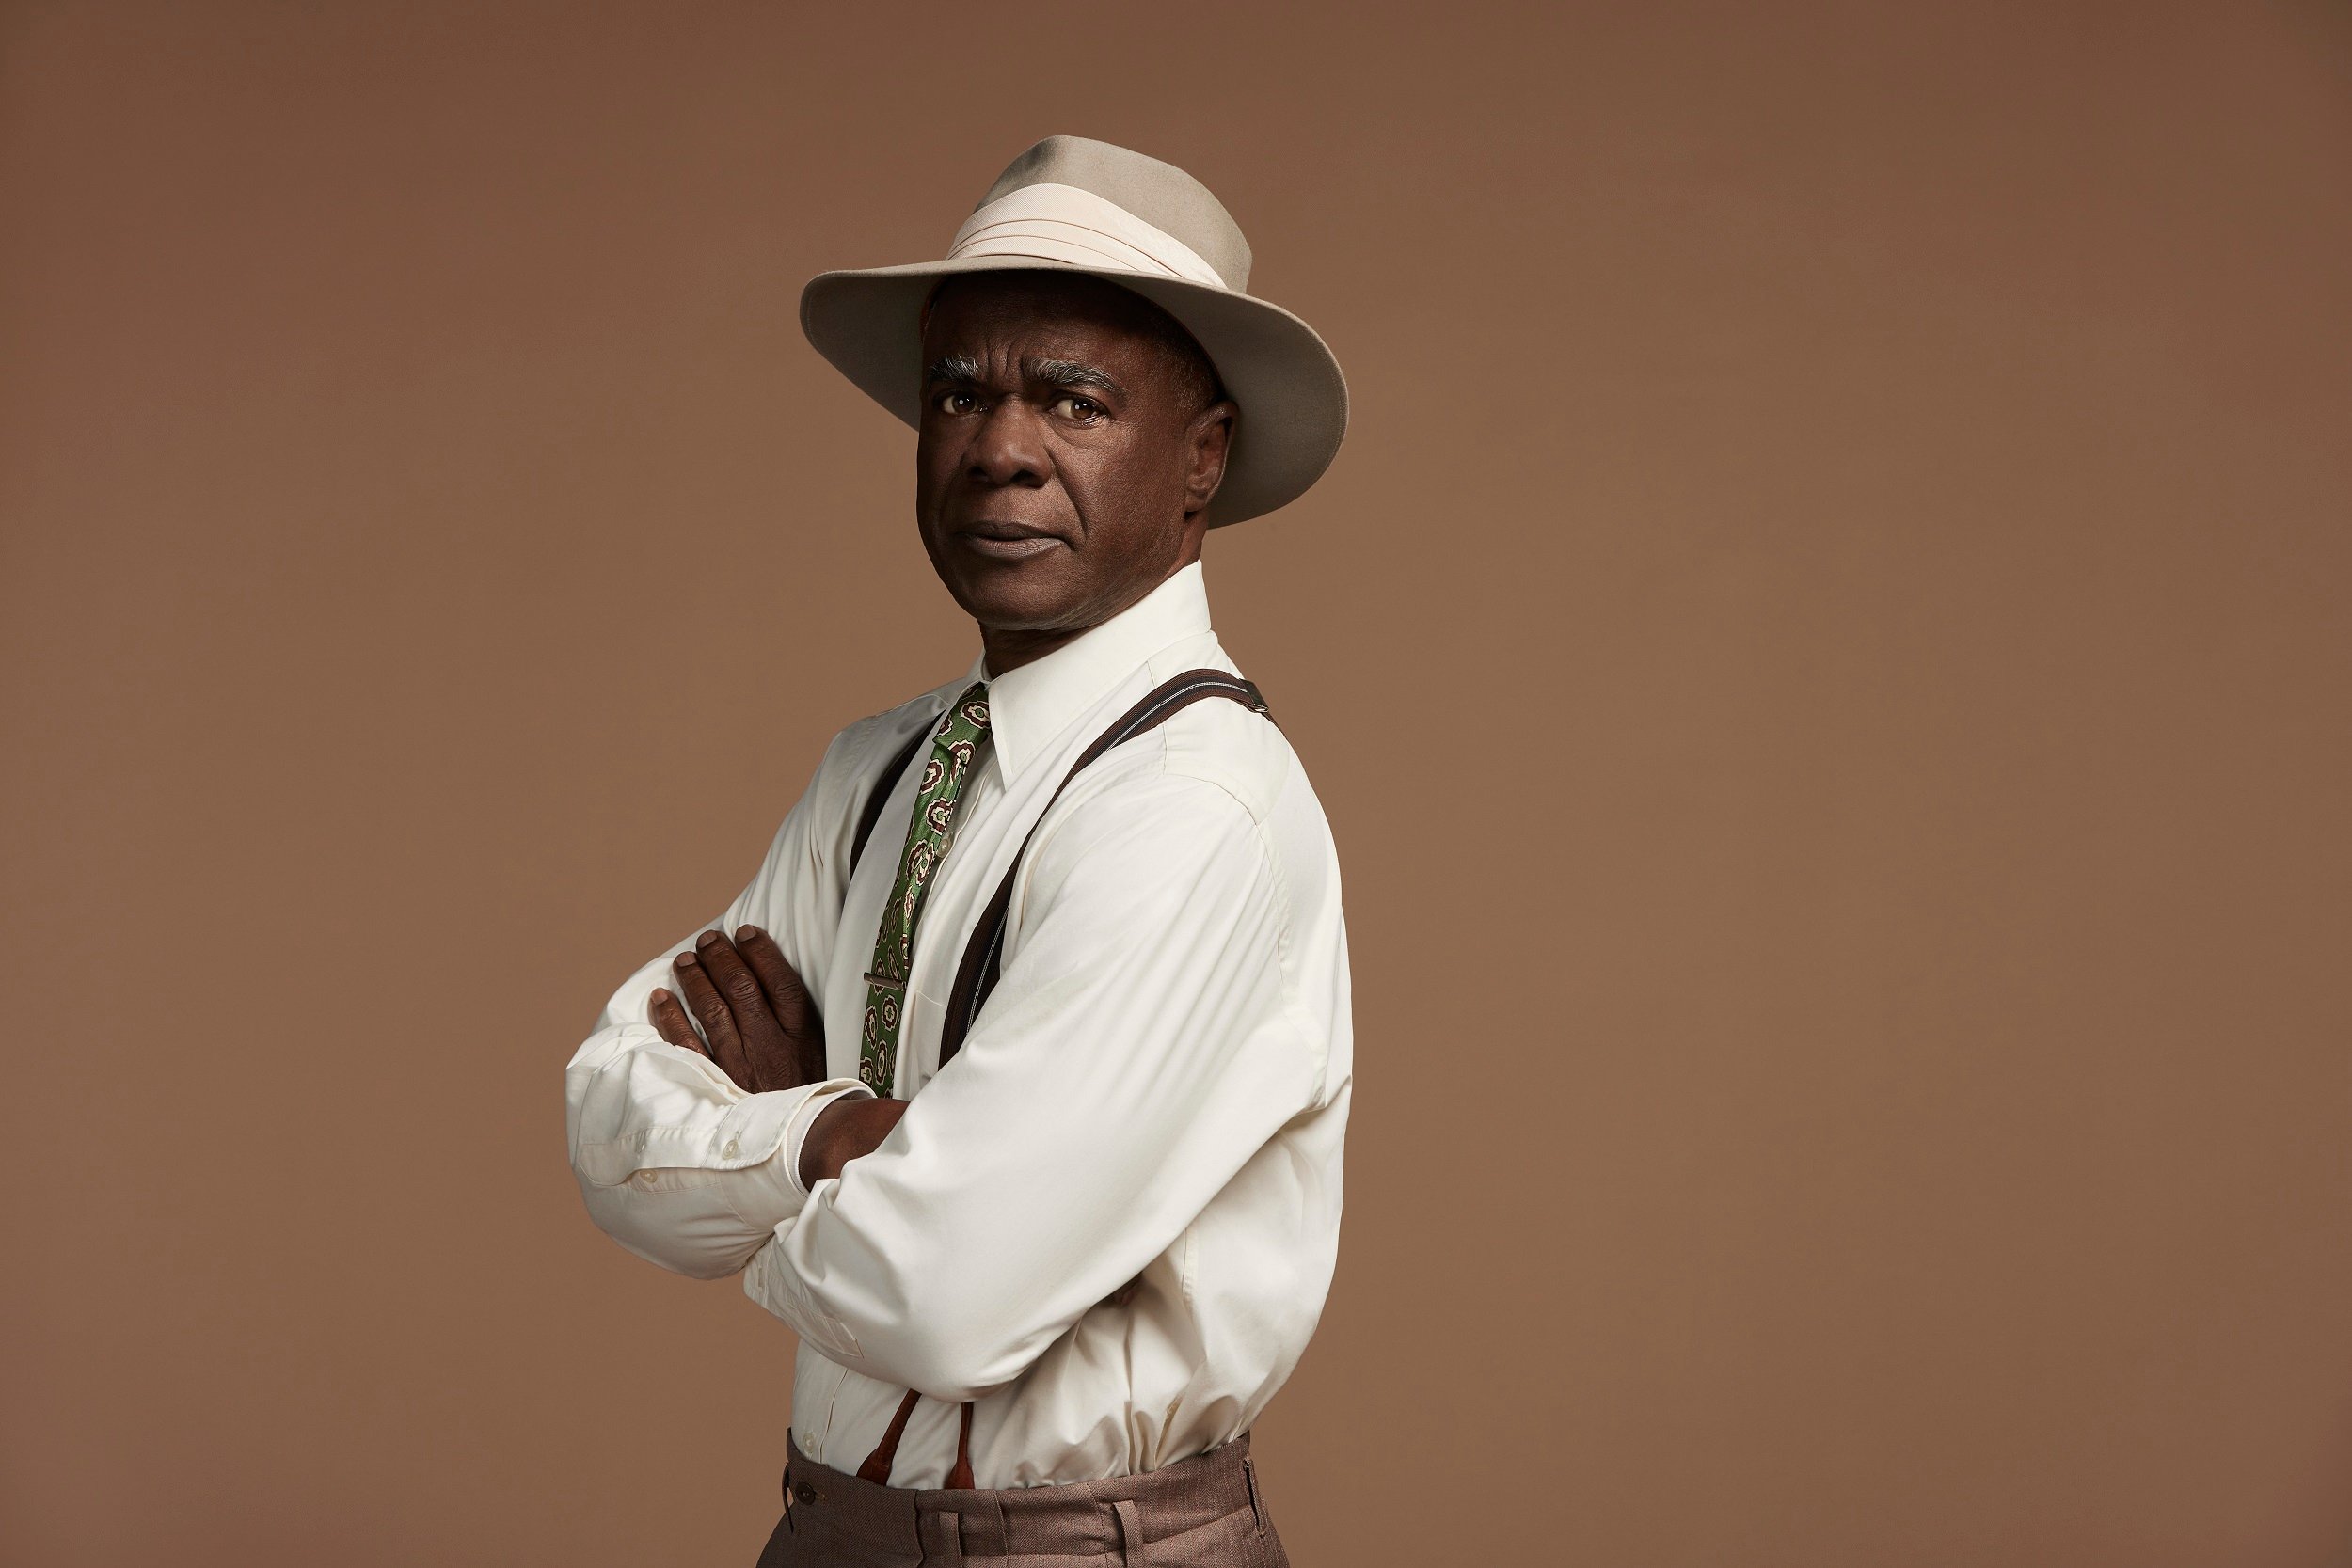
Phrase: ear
(1209, 437)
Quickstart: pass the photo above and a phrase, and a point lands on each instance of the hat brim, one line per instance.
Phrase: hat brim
(1287, 383)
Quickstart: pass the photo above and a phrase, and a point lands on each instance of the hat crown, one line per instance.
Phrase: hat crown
(1159, 193)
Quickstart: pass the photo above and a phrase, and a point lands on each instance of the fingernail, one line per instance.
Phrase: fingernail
(745, 933)
(706, 939)
(660, 996)
(685, 960)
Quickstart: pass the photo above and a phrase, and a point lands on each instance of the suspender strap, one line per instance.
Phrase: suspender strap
(960, 1476)
(877, 1465)
(983, 957)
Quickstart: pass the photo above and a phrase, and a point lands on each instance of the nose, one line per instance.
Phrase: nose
(1009, 448)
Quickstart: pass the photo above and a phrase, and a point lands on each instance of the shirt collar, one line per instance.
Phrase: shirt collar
(1029, 706)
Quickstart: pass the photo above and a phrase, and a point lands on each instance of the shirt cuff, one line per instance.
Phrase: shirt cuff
(804, 1117)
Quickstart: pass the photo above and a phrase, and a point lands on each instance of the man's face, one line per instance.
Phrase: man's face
(1065, 453)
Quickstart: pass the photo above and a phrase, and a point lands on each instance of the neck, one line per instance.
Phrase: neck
(1011, 647)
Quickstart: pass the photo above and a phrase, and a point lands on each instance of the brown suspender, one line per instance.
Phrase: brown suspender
(983, 956)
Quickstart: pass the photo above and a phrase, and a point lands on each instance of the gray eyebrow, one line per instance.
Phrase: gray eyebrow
(962, 368)
(1068, 373)
(953, 367)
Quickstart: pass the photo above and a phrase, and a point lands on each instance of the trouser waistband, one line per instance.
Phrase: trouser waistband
(1118, 1517)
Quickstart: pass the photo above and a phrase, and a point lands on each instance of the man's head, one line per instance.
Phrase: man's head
(1072, 436)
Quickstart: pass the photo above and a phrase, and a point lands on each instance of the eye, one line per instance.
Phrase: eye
(956, 402)
(1070, 405)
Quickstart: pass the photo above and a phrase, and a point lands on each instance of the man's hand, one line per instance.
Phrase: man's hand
(763, 1031)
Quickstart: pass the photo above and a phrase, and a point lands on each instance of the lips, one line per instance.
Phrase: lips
(999, 540)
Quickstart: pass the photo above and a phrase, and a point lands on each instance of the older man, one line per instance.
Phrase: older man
(1024, 1061)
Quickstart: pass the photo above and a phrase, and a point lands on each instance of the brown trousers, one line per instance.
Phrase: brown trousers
(1199, 1513)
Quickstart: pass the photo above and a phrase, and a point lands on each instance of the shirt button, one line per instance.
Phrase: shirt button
(731, 1148)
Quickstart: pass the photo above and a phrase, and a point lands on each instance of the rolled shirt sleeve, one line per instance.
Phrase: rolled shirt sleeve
(1140, 1048)
(675, 1161)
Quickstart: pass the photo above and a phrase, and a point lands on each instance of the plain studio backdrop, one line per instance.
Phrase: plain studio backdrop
(1826, 655)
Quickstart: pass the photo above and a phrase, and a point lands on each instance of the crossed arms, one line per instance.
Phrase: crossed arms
(765, 1035)
(1139, 1050)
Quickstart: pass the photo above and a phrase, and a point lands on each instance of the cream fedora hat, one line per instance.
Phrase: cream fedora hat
(1072, 205)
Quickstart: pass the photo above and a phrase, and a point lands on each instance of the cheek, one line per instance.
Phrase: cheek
(1119, 487)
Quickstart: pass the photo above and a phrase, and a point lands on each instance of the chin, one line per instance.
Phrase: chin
(1023, 596)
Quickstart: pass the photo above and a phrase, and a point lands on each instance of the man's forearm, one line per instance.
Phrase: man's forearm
(848, 1128)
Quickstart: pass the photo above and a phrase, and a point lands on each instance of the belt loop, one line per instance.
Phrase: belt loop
(940, 1533)
(1257, 1508)
(1130, 1533)
(985, 1530)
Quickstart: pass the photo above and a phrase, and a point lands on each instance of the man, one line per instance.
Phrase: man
(1024, 1061)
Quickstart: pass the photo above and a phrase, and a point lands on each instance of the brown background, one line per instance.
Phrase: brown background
(1825, 653)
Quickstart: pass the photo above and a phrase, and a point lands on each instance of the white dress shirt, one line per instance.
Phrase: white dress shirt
(1158, 1085)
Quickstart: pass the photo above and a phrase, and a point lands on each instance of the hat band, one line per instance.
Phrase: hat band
(1063, 223)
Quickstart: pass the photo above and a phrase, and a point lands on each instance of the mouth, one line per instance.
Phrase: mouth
(999, 540)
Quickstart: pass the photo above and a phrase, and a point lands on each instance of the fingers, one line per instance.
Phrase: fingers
(787, 996)
(717, 1021)
(670, 1022)
(766, 1049)
(741, 1000)
(803, 1058)
(745, 997)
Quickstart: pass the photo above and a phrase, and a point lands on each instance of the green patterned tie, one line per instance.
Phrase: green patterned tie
(929, 836)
